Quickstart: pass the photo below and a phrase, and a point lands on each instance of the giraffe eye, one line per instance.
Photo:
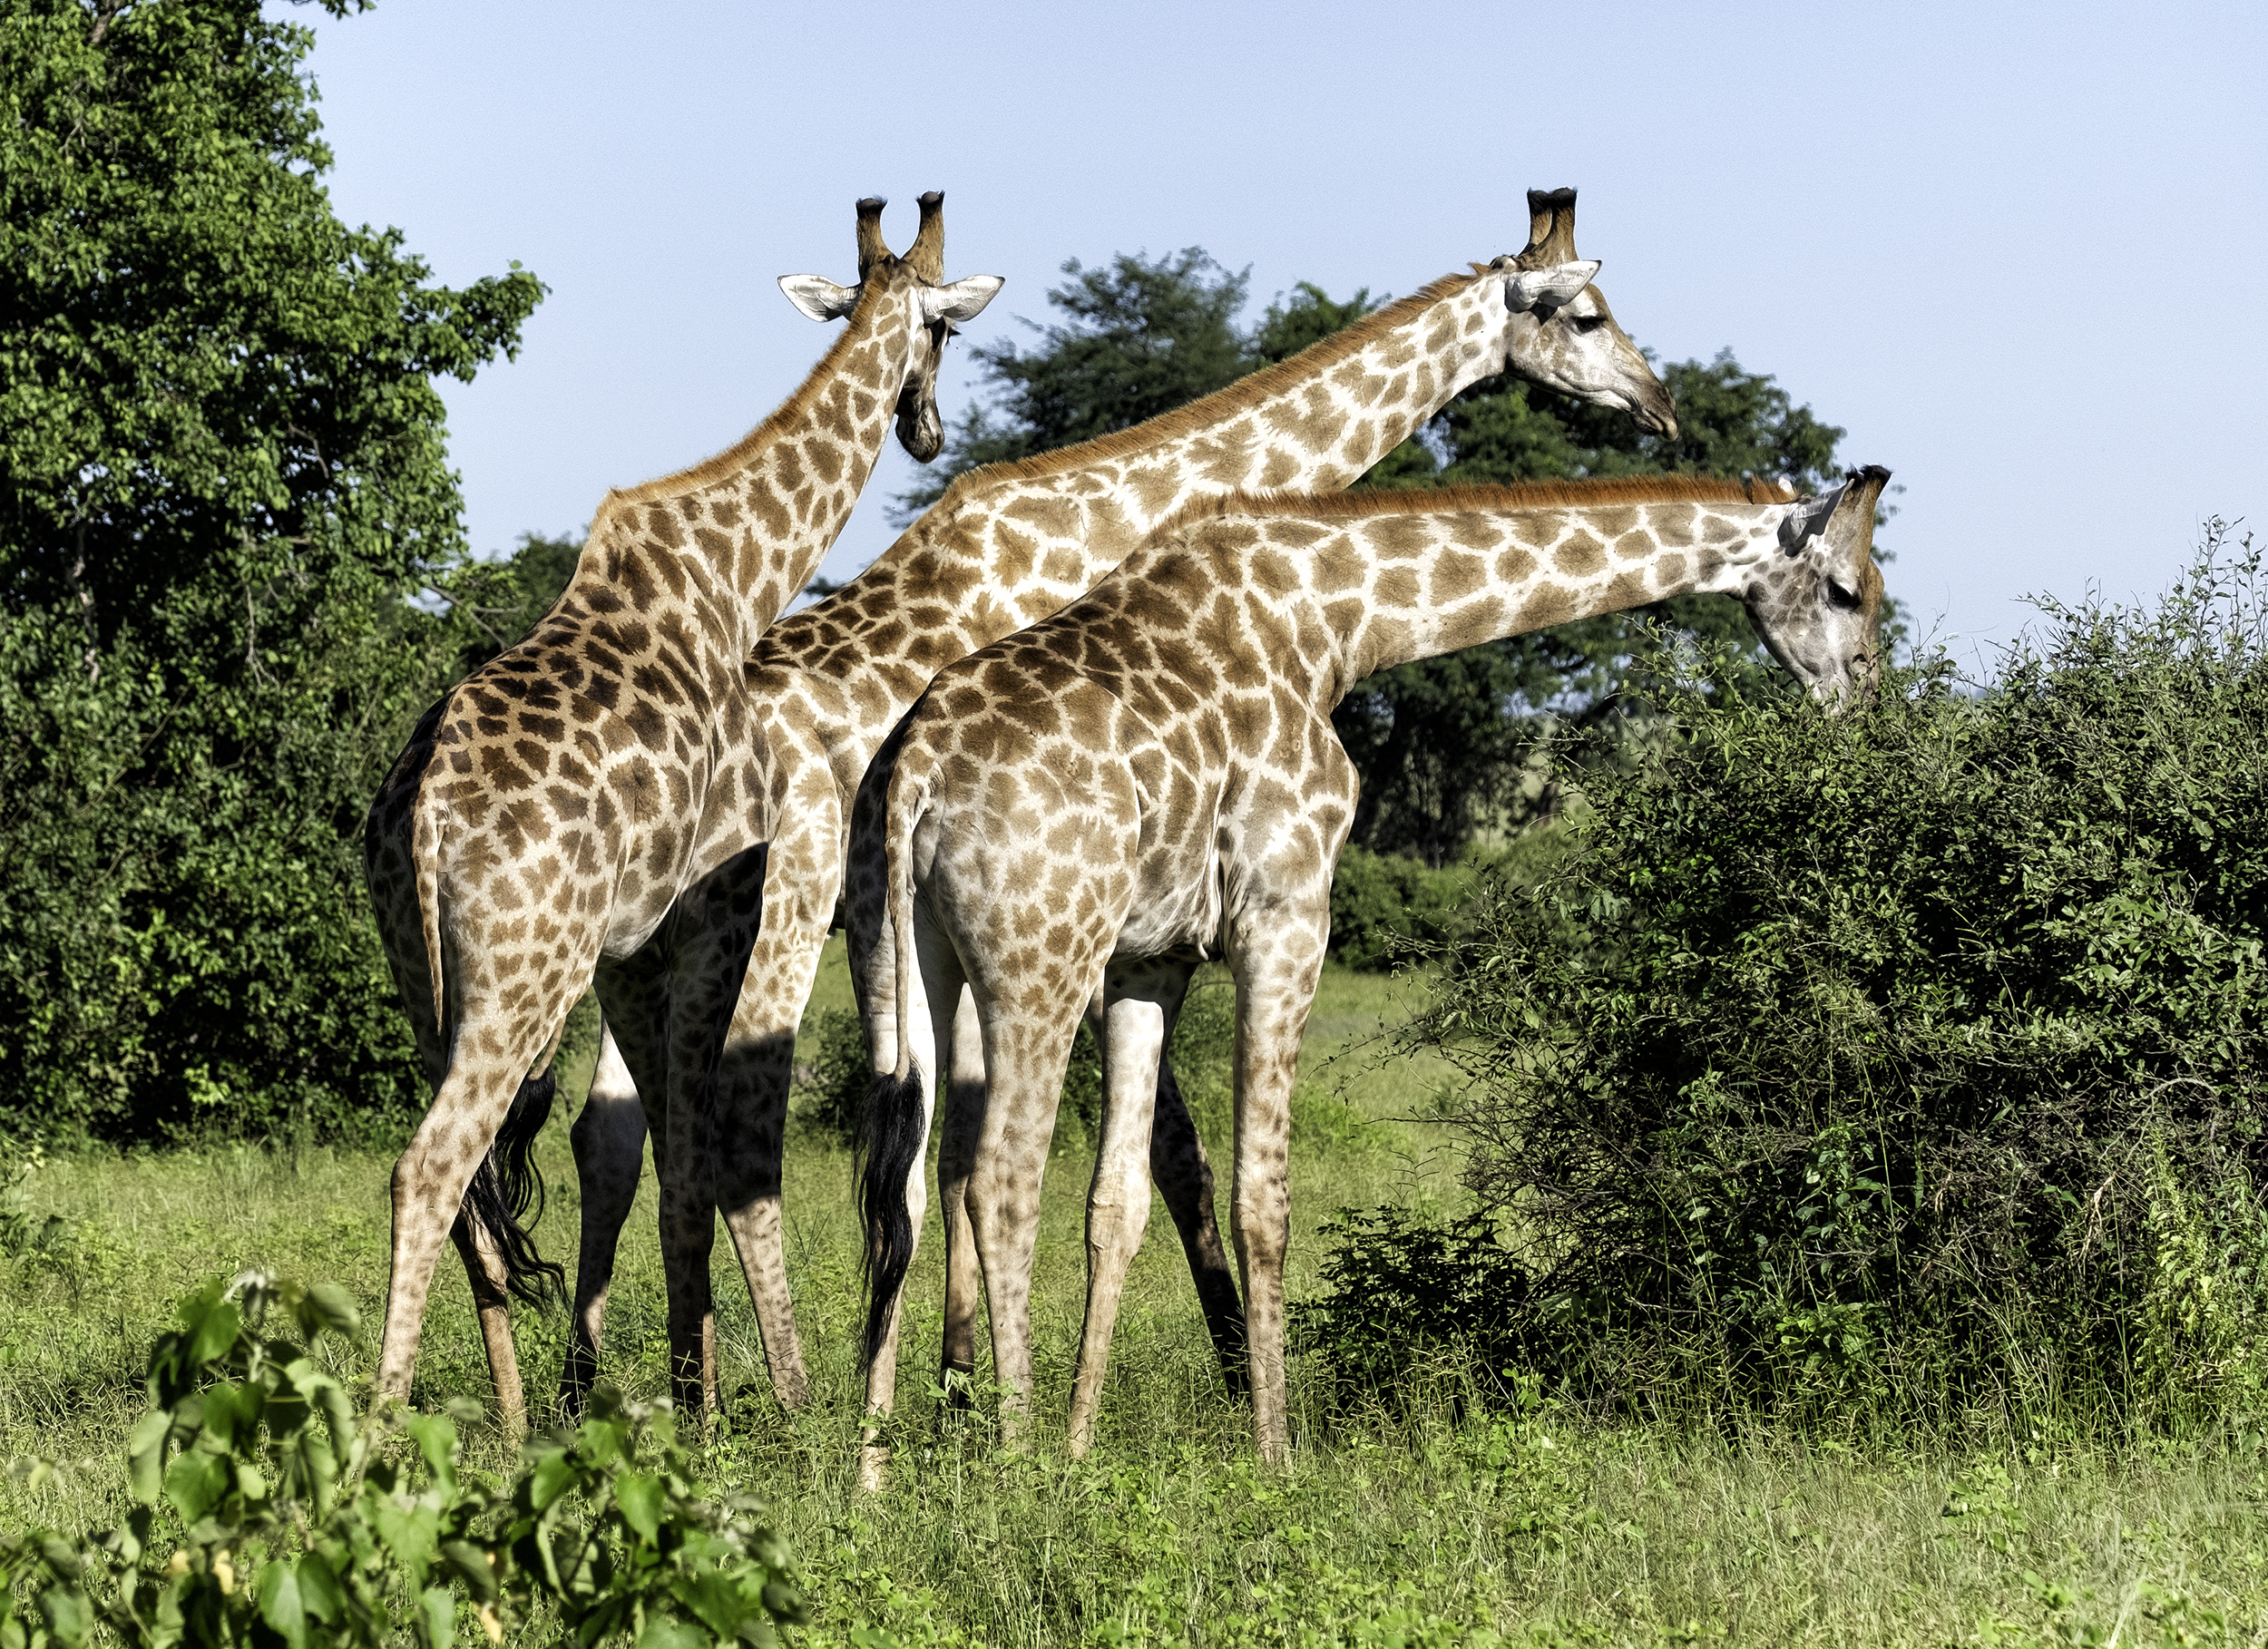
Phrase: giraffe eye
(1587, 323)
(1837, 596)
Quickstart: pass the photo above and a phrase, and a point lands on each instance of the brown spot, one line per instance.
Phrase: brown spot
(1456, 576)
(1579, 555)
(1546, 605)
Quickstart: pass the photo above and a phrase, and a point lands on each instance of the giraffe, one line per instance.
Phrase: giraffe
(1008, 545)
(1073, 818)
(592, 802)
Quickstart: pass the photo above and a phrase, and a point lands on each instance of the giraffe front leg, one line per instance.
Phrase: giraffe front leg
(751, 1101)
(711, 930)
(1138, 1007)
(1275, 962)
(609, 1142)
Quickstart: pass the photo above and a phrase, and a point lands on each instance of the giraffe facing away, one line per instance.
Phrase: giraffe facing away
(1082, 814)
(594, 801)
(1007, 545)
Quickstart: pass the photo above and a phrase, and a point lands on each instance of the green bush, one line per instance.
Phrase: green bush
(830, 1089)
(266, 1513)
(1914, 1053)
(1384, 904)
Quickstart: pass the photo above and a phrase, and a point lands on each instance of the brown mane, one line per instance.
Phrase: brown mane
(738, 453)
(1222, 403)
(1589, 492)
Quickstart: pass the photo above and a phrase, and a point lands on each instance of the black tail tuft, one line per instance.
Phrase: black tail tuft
(506, 1187)
(891, 1137)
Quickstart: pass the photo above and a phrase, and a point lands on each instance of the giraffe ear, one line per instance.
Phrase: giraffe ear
(1547, 289)
(1806, 517)
(963, 300)
(818, 297)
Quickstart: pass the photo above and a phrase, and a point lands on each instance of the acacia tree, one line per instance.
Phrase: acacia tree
(221, 474)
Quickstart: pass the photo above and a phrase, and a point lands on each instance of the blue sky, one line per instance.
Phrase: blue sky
(2021, 253)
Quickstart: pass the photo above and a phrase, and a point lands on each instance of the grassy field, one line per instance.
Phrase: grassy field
(1422, 1523)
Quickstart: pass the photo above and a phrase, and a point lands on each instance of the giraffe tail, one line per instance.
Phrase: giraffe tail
(506, 1196)
(894, 1127)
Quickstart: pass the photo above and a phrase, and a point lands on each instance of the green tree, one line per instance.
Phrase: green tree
(494, 603)
(221, 476)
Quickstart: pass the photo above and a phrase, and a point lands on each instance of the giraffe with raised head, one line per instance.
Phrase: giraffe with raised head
(1008, 545)
(594, 801)
(1073, 818)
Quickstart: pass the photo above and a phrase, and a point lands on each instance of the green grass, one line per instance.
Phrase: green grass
(1426, 1523)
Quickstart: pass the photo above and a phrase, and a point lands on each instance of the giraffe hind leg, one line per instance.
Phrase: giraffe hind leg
(1184, 1177)
(957, 1155)
(609, 1142)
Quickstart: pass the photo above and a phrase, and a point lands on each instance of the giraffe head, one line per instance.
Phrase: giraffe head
(1557, 328)
(1817, 602)
(914, 298)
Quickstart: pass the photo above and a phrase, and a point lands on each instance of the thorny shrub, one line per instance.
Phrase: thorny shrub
(1913, 1052)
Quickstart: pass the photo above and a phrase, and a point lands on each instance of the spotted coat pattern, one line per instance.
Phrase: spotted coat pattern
(1082, 813)
(593, 800)
(1011, 544)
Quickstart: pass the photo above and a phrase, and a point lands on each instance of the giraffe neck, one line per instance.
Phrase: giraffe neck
(747, 529)
(1008, 546)
(1385, 589)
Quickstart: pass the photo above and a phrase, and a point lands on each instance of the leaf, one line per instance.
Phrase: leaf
(411, 1533)
(67, 1613)
(640, 1497)
(280, 1604)
(320, 1593)
(714, 1600)
(195, 1482)
(553, 1475)
(213, 1327)
(435, 1436)
(330, 1306)
(434, 1618)
(145, 1455)
(469, 1562)
(665, 1631)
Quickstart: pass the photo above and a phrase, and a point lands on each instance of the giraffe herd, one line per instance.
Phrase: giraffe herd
(1069, 737)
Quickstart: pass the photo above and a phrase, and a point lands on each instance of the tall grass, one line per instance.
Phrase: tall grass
(1418, 1517)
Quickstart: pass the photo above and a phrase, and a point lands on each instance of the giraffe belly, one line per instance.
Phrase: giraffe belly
(1175, 911)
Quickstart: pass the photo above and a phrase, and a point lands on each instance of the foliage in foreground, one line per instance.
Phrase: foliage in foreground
(222, 471)
(1913, 1054)
(266, 1512)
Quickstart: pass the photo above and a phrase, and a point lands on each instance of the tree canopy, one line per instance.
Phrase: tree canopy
(222, 476)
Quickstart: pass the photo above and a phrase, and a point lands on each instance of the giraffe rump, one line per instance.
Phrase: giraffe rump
(891, 1130)
(505, 1188)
